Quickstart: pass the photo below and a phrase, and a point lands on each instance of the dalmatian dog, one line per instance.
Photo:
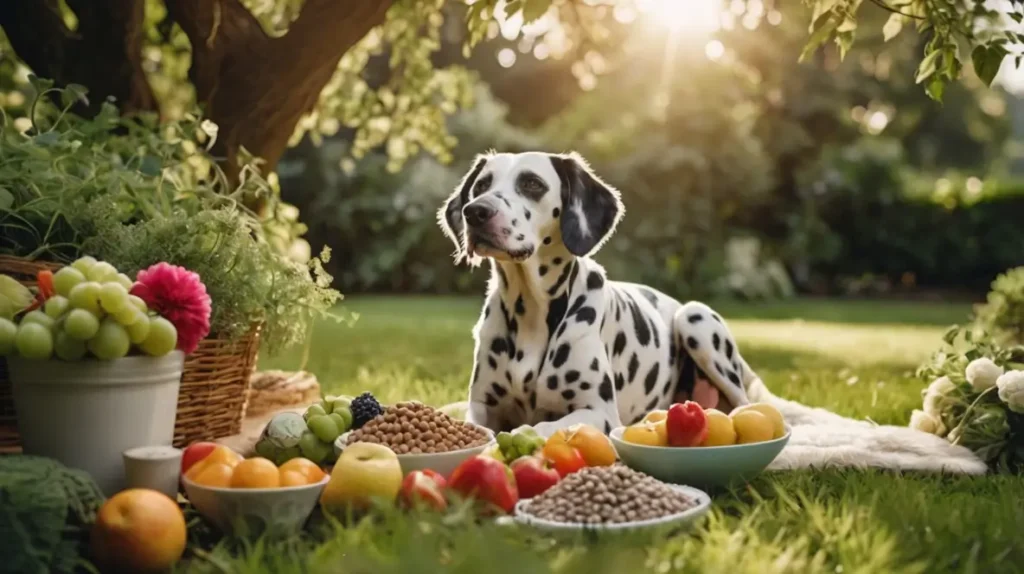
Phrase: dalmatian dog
(557, 343)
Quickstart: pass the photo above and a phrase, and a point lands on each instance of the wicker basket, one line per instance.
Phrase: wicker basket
(215, 388)
(24, 271)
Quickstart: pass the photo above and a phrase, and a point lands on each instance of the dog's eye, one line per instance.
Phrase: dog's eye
(482, 185)
(532, 185)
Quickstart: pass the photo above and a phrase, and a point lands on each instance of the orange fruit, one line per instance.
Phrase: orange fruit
(220, 455)
(293, 478)
(216, 474)
(138, 530)
(306, 468)
(256, 472)
(595, 447)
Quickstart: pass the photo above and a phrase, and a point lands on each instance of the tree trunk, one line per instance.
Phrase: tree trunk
(254, 87)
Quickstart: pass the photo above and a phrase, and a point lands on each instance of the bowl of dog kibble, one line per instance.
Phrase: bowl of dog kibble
(613, 498)
(422, 437)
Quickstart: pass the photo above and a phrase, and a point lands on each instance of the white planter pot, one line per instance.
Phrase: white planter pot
(86, 414)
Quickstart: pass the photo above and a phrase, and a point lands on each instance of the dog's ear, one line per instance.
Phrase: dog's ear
(590, 208)
(450, 218)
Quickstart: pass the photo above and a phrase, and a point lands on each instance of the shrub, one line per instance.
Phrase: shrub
(1003, 313)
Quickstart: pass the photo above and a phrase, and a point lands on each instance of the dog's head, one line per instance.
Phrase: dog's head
(511, 206)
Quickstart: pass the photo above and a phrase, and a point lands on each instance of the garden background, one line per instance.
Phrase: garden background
(834, 210)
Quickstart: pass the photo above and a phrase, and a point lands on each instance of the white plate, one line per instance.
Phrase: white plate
(687, 517)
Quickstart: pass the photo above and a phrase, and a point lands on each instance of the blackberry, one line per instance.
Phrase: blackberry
(364, 408)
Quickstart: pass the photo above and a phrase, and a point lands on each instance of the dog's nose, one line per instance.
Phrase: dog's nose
(477, 214)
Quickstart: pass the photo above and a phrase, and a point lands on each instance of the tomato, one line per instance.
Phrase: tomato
(564, 458)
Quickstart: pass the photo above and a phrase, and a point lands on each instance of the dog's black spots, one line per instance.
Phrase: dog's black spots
(487, 311)
(491, 362)
(695, 318)
(586, 315)
(529, 377)
(498, 389)
(515, 222)
(607, 427)
(556, 310)
(556, 212)
(533, 400)
(668, 387)
(543, 270)
(504, 309)
(603, 319)
(553, 382)
(594, 280)
(527, 214)
(716, 317)
(650, 296)
(547, 241)
(620, 382)
(551, 355)
(570, 408)
(605, 390)
(520, 404)
(618, 314)
(508, 377)
(491, 400)
(595, 365)
(620, 344)
(556, 261)
(584, 386)
(652, 378)
(511, 347)
(654, 333)
(651, 405)
(568, 394)
(716, 341)
(561, 330)
(692, 343)
(499, 346)
(520, 237)
(566, 271)
(561, 355)
(720, 370)
(733, 378)
(519, 355)
(577, 304)
(520, 305)
(640, 327)
(572, 376)
(513, 326)
(736, 367)
(672, 352)
(505, 201)
(634, 364)
(728, 351)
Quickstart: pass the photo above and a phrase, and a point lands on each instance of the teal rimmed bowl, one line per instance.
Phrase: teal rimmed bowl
(701, 465)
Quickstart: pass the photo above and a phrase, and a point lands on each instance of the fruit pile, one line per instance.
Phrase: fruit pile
(608, 495)
(212, 465)
(311, 435)
(414, 428)
(84, 310)
(689, 425)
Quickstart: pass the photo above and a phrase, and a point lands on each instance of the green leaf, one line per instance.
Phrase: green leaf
(73, 93)
(534, 9)
(46, 138)
(513, 6)
(935, 88)
(950, 335)
(1016, 17)
(892, 27)
(987, 60)
(39, 84)
(927, 66)
(821, 31)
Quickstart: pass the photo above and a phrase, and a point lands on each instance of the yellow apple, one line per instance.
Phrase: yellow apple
(773, 414)
(720, 429)
(751, 426)
(364, 472)
(655, 416)
(647, 434)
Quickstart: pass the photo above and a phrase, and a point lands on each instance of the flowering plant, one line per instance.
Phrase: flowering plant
(975, 398)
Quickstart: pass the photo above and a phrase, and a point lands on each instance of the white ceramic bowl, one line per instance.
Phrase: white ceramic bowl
(249, 512)
(442, 462)
(686, 519)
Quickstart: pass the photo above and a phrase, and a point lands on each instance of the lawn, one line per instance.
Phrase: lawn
(854, 358)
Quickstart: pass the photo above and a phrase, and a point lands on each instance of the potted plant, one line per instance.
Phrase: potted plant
(95, 360)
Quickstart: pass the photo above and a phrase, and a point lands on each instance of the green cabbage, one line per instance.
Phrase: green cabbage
(46, 510)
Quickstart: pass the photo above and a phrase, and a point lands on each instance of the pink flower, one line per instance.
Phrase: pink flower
(179, 296)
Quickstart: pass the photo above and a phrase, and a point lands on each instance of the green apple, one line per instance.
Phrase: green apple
(364, 472)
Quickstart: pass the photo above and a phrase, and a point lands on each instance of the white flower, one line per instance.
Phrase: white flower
(925, 422)
(1011, 390)
(982, 374)
(936, 393)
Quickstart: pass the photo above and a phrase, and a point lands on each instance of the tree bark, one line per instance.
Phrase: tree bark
(257, 88)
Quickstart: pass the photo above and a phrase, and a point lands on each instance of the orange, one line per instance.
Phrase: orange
(595, 447)
(138, 530)
(220, 455)
(306, 468)
(216, 474)
(256, 472)
(293, 478)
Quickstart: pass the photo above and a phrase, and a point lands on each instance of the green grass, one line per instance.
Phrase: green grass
(853, 358)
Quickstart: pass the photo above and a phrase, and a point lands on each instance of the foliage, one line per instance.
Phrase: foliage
(970, 414)
(46, 510)
(130, 192)
(1003, 313)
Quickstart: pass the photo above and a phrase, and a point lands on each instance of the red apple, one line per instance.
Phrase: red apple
(487, 480)
(194, 453)
(424, 487)
(687, 424)
(533, 476)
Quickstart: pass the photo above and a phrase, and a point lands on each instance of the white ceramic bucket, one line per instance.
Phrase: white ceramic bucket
(86, 414)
